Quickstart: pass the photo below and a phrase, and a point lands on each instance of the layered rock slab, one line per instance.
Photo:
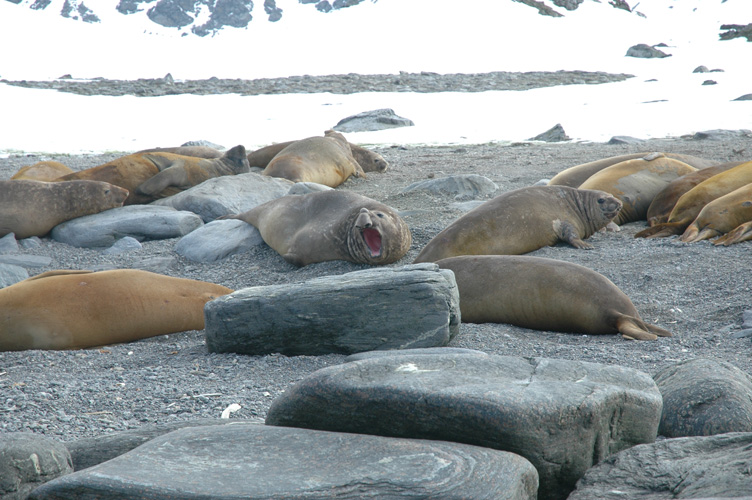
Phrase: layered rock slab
(253, 461)
(563, 416)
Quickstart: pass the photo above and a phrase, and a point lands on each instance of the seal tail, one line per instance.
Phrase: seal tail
(662, 230)
(693, 234)
(743, 232)
(632, 328)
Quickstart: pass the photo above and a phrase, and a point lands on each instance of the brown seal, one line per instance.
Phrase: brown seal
(661, 206)
(636, 183)
(524, 220)
(197, 151)
(68, 309)
(688, 205)
(575, 176)
(132, 171)
(42, 171)
(544, 294)
(33, 208)
(721, 216)
(743, 232)
(325, 160)
(369, 161)
(330, 225)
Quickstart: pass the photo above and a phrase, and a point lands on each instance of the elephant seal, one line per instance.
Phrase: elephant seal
(636, 183)
(689, 205)
(69, 309)
(330, 225)
(721, 216)
(325, 160)
(574, 176)
(544, 294)
(133, 170)
(33, 208)
(524, 220)
(197, 151)
(661, 206)
(42, 171)
(369, 161)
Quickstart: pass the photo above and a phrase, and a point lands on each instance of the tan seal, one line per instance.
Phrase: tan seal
(636, 183)
(132, 171)
(369, 161)
(524, 220)
(42, 171)
(33, 208)
(325, 160)
(197, 151)
(689, 205)
(330, 225)
(575, 176)
(661, 206)
(545, 294)
(743, 232)
(68, 309)
(721, 216)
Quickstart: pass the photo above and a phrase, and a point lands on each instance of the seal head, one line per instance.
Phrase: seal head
(370, 239)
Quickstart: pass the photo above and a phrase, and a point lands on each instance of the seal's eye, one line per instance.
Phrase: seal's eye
(379, 214)
(601, 201)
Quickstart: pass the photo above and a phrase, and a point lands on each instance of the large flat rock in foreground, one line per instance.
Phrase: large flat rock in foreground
(563, 416)
(253, 461)
(381, 308)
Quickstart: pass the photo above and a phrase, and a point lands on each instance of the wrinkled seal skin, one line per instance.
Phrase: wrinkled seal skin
(636, 183)
(369, 161)
(42, 171)
(197, 151)
(68, 309)
(132, 171)
(544, 294)
(33, 208)
(661, 206)
(325, 160)
(689, 205)
(524, 220)
(721, 216)
(575, 176)
(330, 225)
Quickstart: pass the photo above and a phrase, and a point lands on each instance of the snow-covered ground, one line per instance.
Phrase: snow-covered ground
(664, 99)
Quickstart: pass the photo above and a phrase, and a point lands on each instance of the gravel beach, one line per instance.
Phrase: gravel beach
(697, 291)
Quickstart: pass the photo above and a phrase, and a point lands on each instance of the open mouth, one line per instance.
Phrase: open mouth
(372, 237)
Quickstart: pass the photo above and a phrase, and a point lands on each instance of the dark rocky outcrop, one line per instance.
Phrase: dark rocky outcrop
(554, 134)
(732, 31)
(645, 51)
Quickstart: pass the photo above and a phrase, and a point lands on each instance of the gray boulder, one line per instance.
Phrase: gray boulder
(745, 97)
(380, 308)
(563, 416)
(462, 187)
(253, 461)
(8, 243)
(27, 460)
(228, 194)
(645, 51)
(218, 240)
(10, 274)
(142, 222)
(369, 121)
(624, 139)
(554, 134)
(721, 134)
(24, 260)
(124, 244)
(692, 467)
(702, 397)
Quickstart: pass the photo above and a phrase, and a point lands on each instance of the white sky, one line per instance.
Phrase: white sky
(383, 37)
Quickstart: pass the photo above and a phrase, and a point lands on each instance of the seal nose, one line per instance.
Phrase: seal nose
(364, 219)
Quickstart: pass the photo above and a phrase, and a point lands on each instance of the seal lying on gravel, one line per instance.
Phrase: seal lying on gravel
(325, 160)
(330, 225)
(132, 171)
(197, 151)
(369, 161)
(70, 309)
(721, 216)
(524, 220)
(544, 294)
(33, 208)
(42, 171)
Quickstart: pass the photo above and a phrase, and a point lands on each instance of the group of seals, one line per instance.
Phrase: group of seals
(150, 176)
(330, 225)
(524, 220)
(33, 208)
(69, 309)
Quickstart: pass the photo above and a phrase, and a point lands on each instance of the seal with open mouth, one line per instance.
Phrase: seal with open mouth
(330, 225)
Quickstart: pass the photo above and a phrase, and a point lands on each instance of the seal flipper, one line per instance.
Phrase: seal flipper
(173, 176)
(568, 233)
(662, 230)
(742, 232)
(632, 328)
